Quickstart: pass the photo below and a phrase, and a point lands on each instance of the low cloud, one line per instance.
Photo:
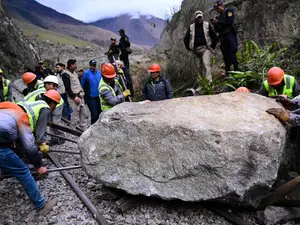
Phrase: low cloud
(92, 10)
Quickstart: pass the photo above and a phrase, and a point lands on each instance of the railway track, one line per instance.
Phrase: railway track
(125, 201)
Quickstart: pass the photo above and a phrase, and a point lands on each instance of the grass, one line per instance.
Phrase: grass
(40, 34)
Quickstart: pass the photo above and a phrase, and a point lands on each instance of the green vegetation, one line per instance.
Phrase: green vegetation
(40, 34)
(254, 63)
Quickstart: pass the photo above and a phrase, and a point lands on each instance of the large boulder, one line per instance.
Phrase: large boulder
(220, 147)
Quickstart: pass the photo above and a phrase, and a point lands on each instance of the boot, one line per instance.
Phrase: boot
(52, 201)
(280, 114)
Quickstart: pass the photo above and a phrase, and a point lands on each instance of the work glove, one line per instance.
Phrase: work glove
(126, 93)
(44, 148)
(280, 114)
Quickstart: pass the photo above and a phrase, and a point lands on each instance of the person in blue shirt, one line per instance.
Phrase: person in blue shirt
(90, 82)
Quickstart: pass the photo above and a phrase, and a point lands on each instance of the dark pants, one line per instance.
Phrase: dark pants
(94, 107)
(229, 49)
(67, 110)
(125, 58)
(12, 164)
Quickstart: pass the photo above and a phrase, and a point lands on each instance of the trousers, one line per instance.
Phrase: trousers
(94, 107)
(12, 164)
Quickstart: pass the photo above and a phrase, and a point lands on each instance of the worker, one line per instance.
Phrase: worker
(90, 82)
(278, 83)
(201, 38)
(110, 90)
(124, 46)
(75, 95)
(5, 89)
(157, 88)
(113, 51)
(80, 74)
(50, 83)
(32, 83)
(15, 128)
(125, 72)
(60, 72)
(243, 89)
(224, 25)
(39, 113)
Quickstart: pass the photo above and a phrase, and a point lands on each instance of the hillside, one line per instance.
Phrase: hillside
(144, 30)
(16, 52)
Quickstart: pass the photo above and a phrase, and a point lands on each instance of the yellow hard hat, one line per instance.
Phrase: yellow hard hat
(1, 71)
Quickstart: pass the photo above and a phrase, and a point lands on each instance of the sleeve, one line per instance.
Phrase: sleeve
(213, 36)
(229, 17)
(41, 125)
(187, 39)
(10, 93)
(296, 89)
(169, 92)
(67, 83)
(263, 91)
(294, 119)
(110, 98)
(145, 92)
(28, 142)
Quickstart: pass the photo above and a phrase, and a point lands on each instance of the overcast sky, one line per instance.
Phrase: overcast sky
(91, 10)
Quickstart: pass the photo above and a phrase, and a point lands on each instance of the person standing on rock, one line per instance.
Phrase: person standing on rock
(113, 51)
(201, 39)
(110, 90)
(75, 95)
(5, 89)
(15, 128)
(30, 79)
(157, 88)
(124, 46)
(224, 24)
(60, 72)
(90, 83)
(279, 84)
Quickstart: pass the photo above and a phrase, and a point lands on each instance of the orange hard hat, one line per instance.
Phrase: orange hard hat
(275, 76)
(53, 95)
(243, 89)
(154, 68)
(28, 77)
(108, 70)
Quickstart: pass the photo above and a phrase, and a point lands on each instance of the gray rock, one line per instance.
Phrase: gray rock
(196, 148)
(277, 215)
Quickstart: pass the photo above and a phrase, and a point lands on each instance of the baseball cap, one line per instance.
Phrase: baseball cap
(217, 4)
(93, 62)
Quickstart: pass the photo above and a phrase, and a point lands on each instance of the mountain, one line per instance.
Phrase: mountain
(38, 15)
(16, 52)
(144, 30)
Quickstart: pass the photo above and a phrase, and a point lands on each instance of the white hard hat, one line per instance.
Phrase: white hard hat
(51, 79)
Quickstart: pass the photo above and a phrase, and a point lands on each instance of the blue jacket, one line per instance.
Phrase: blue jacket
(157, 90)
(90, 81)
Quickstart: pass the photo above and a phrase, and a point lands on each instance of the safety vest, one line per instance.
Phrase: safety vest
(39, 85)
(205, 31)
(33, 111)
(105, 86)
(31, 97)
(5, 88)
(289, 82)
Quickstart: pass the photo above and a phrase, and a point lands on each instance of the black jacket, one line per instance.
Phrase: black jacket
(124, 43)
(200, 38)
(157, 90)
(113, 50)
